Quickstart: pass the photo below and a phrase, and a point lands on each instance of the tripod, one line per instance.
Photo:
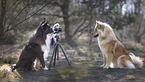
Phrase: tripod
(56, 53)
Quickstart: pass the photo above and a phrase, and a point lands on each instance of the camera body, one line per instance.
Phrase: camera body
(56, 28)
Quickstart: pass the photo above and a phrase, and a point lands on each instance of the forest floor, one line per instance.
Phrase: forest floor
(85, 68)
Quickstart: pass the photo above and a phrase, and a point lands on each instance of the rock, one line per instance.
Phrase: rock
(130, 77)
(110, 76)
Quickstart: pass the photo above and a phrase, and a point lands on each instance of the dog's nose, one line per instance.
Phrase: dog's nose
(96, 35)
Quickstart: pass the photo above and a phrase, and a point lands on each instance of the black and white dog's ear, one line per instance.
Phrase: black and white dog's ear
(45, 24)
(42, 22)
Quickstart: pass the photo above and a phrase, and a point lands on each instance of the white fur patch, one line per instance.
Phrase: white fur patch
(46, 48)
(45, 68)
(136, 60)
(112, 65)
(130, 65)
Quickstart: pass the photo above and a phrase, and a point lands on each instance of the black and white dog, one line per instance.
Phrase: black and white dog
(50, 39)
(33, 49)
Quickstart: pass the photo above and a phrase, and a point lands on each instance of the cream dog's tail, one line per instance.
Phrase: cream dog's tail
(137, 61)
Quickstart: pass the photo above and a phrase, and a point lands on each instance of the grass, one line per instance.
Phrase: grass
(9, 55)
(7, 75)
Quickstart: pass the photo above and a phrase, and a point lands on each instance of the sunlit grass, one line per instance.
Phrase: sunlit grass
(7, 75)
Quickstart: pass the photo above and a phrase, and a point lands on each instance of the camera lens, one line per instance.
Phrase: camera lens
(60, 29)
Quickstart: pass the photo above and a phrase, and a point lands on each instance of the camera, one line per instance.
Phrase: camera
(56, 28)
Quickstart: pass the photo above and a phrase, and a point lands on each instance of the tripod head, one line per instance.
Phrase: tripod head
(56, 29)
(56, 36)
(55, 53)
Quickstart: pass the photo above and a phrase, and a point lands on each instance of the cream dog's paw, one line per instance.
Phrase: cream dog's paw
(102, 65)
(106, 67)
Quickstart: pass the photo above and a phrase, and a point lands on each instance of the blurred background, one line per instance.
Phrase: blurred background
(20, 18)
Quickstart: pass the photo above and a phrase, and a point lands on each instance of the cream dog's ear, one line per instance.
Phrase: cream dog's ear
(98, 22)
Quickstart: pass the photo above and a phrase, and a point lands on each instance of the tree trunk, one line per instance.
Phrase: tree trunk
(2, 16)
(65, 10)
(138, 39)
(68, 36)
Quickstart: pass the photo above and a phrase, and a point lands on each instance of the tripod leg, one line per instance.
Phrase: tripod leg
(55, 55)
(52, 57)
(64, 54)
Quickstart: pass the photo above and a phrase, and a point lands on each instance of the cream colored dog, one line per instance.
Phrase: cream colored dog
(114, 53)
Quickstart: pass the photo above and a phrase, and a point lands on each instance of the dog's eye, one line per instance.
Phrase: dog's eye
(99, 26)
